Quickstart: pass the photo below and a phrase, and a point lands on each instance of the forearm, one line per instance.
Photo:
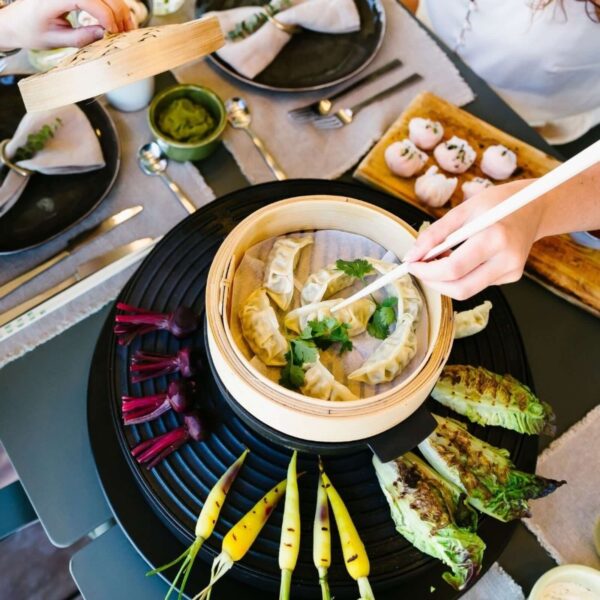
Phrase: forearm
(573, 206)
(8, 36)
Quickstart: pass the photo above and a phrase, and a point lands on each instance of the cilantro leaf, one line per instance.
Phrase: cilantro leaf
(304, 351)
(358, 268)
(330, 331)
(292, 376)
(383, 317)
(301, 352)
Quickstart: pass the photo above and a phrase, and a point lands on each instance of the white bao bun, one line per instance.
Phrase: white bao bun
(425, 133)
(455, 155)
(404, 158)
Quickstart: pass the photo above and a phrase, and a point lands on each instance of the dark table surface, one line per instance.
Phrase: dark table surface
(43, 406)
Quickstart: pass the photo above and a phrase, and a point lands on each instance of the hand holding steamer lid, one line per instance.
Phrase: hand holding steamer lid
(118, 60)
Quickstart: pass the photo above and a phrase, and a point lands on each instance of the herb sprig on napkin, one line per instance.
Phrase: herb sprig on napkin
(36, 141)
(249, 26)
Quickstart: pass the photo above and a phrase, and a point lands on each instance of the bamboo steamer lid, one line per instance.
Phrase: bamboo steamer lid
(120, 59)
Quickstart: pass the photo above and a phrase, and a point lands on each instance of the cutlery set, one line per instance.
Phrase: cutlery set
(318, 113)
(9, 319)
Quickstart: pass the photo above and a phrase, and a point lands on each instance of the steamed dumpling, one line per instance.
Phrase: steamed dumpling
(455, 155)
(279, 271)
(356, 316)
(391, 356)
(425, 133)
(404, 158)
(324, 283)
(498, 162)
(261, 329)
(320, 383)
(403, 288)
(475, 186)
(470, 322)
(433, 188)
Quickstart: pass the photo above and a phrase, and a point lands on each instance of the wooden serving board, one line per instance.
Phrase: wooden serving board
(568, 269)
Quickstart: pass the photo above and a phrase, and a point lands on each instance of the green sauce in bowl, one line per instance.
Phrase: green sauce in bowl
(186, 121)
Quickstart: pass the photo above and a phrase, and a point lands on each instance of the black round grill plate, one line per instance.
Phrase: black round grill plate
(158, 509)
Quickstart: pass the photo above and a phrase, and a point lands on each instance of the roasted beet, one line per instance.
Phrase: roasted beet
(146, 365)
(183, 321)
(178, 397)
(151, 452)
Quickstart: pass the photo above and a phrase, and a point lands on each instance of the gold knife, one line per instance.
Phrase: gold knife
(72, 246)
(83, 271)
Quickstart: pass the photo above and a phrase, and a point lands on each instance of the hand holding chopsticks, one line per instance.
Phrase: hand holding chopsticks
(526, 195)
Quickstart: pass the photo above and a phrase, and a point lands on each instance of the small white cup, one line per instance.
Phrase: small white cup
(132, 97)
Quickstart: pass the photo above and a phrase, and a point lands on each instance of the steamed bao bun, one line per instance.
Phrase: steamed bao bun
(404, 158)
(454, 155)
(498, 162)
(475, 186)
(425, 133)
(434, 188)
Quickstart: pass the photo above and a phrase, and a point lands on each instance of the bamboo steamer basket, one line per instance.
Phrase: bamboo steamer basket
(289, 412)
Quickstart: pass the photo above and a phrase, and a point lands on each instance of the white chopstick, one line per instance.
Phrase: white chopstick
(569, 169)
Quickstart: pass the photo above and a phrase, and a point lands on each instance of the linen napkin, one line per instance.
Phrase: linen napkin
(564, 522)
(302, 150)
(251, 55)
(496, 584)
(73, 149)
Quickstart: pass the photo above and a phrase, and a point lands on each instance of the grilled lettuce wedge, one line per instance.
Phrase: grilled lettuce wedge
(430, 513)
(485, 473)
(490, 399)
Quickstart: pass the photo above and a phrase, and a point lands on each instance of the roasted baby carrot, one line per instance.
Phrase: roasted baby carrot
(355, 555)
(204, 525)
(322, 539)
(290, 530)
(241, 536)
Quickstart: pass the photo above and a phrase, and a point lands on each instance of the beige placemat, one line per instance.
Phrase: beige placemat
(496, 584)
(564, 522)
(304, 151)
(161, 212)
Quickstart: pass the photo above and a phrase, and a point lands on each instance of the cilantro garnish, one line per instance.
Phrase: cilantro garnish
(383, 317)
(301, 351)
(358, 268)
(326, 332)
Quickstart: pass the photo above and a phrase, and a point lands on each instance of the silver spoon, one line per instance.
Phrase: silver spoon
(152, 161)
(238, 115)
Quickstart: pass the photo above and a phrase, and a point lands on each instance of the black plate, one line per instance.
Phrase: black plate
(52, 204)
(175, 273)
(311, 60)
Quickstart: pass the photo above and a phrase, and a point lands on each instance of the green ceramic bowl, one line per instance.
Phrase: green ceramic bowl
(181, 151)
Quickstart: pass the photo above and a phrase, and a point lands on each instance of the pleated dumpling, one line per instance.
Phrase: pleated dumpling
(324, 283)
(320, 383)
(391, 356)
(356, 316)
(279, 269)
(409, 298)
(261, 329)
(470, 322)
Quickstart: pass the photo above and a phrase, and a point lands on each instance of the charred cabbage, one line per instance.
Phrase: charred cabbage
(485, 473)
(430, 513)
(490, 399)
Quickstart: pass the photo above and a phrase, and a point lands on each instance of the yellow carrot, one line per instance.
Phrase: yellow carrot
(204, 525)
(322, 539)
(355, 555)
(290, 530)
(241, 536)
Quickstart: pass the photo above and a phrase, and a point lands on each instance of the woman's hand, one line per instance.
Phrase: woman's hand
(42, 24)
(495, 255)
